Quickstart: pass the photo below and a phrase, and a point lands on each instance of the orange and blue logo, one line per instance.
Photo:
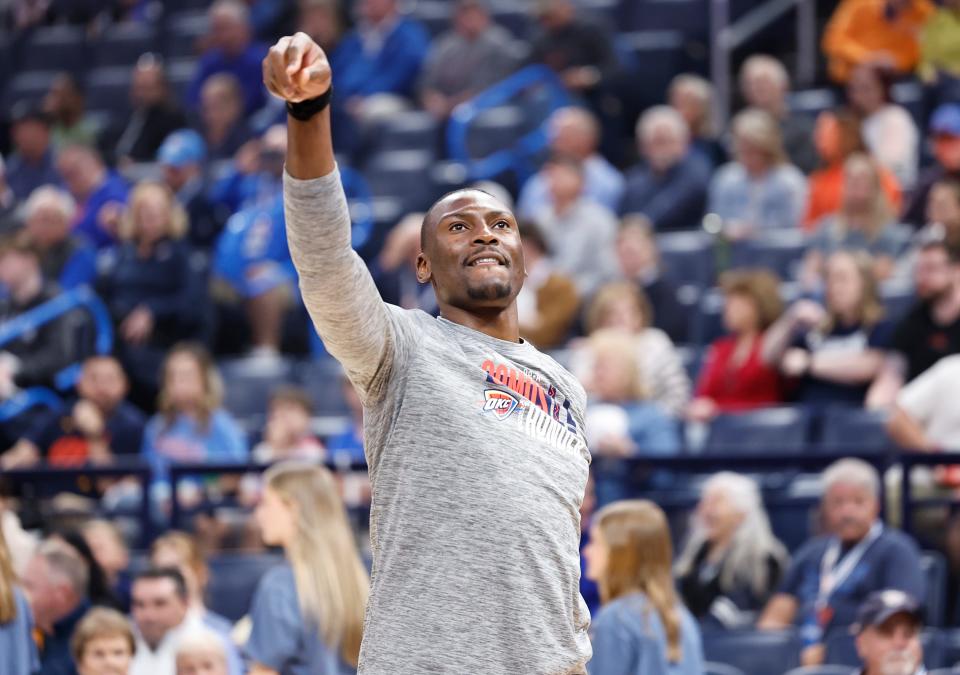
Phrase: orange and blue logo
(501, 404)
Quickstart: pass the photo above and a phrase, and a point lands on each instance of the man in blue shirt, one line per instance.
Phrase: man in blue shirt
(382, 56)
(100, 193)
(833, 574)
(670, 187)
(56, 584)
(31, 165)
(232, 51)
(182, 156)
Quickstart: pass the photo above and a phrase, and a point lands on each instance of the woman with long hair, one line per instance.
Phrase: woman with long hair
(732, 561)
(18, 650)
(191, 424)
(833, 352)
(642, 626)
(864, 222)
(760, 189)
(150, 282)
(307, 614)
(837, 136)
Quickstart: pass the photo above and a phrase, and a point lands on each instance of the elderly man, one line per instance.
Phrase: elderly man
(764, 84)
(232, 50)
(100, 193)
(575, 132)
(670, 186)
(66, 259)
(56, 585)
(832, 574)
(888, 634)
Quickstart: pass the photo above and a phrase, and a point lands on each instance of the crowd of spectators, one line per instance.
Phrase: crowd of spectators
(172, 216)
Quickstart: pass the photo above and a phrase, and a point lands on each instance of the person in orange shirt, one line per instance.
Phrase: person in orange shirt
(836, 137)
(878, 32)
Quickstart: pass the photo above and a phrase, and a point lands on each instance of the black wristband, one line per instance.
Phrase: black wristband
(304, 110)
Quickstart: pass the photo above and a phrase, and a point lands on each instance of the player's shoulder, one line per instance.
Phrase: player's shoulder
(552, 367)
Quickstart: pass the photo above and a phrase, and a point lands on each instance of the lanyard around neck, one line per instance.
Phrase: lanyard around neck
(833, 575)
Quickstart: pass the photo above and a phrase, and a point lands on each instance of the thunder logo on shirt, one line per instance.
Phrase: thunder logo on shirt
(544, 411)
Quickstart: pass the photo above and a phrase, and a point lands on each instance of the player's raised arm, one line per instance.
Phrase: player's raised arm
(336, 285)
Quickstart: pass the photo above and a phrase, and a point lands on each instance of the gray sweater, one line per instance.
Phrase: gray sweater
(477, 463)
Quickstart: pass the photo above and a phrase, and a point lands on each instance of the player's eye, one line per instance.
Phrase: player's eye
(457, 227)
(502, 224)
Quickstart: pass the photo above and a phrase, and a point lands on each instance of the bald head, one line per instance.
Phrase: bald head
(452, 202)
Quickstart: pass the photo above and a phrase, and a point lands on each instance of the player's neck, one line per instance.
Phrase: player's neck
(501, 324)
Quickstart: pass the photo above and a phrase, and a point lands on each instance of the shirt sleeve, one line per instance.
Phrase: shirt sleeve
(793, 577)
(338, 291)
(274, 638)
(921, 397)
(902, 569)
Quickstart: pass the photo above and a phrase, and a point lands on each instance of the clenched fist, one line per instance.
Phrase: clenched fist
(296, 69)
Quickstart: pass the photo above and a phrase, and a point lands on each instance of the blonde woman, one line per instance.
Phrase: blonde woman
(307, 615)
(835, 351)
(18, 650)
(642, 626)
(152, 286)
(182, 552)
(760, 189)
(865, 222)
(190, 425)
(623, 306)
(732, 562)
(103, 643)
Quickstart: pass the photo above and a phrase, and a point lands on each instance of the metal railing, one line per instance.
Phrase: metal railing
(727, 37)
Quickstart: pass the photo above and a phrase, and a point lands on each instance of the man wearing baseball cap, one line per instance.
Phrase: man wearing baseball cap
(944, 132)
(888, 634)
(182, 156)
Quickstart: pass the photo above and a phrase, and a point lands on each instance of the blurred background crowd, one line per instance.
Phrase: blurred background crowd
(765, 268)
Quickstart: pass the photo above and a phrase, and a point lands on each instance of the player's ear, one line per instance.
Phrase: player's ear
(424, 273)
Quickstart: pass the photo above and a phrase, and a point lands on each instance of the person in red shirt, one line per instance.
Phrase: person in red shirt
(734, 375)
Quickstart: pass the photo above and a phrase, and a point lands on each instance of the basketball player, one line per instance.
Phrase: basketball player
(474, 439)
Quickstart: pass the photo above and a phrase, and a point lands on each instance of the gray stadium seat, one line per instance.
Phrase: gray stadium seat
(54, 48)
(123, 44)
(767, 430)
(754, 652)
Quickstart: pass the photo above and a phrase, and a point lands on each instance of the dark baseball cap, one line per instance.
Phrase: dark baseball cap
(881, 605)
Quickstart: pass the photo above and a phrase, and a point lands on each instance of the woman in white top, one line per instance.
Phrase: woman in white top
(888, 129)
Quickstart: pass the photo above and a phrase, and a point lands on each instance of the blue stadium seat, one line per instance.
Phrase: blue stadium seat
(233, 581)
(854, 430)
(754, 652)
(29, 86)
(183, 31)
(411, 130)
(779, 251)
(760, 431)
(516, 19)
(652, 57)
(897, 299)
(180, 75)
(54, 48)
(322, 380)
(433, 14)
(687, 16)
(950, 646)
(495, 129)
(108, 89)
(692, 359)
(841, 649)
(404, 174)
(688, 257)
(934, 567)
(248, 385)
(811, 101)
(820, 670)
(711, 668)
(706, 318)
(123, 44)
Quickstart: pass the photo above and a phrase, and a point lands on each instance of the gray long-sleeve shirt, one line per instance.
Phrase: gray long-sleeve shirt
(477, 463)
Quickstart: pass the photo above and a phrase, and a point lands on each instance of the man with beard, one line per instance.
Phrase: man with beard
(888, 635)
(931, 329)
(474, 439)
(833, 574)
